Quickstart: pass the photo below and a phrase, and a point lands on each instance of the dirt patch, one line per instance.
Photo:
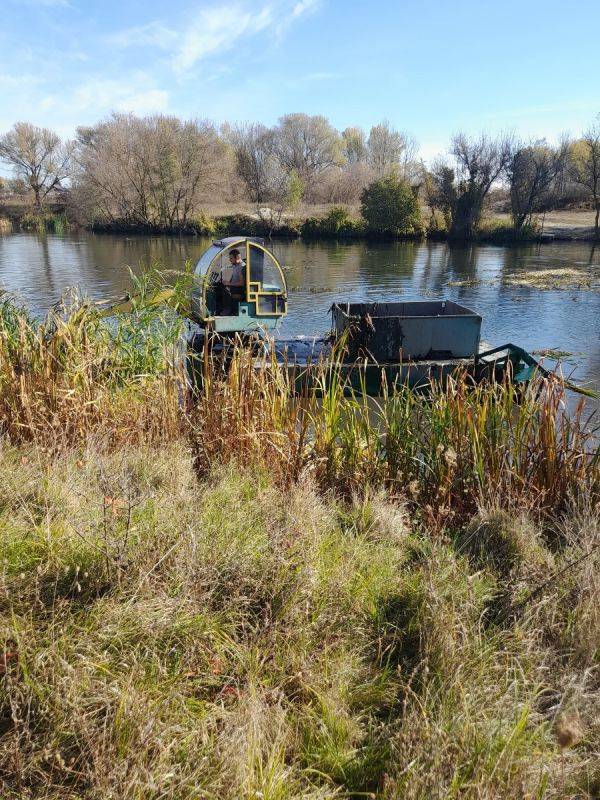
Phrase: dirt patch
(577, 224)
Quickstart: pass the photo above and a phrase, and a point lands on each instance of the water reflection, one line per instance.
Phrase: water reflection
(38, 268)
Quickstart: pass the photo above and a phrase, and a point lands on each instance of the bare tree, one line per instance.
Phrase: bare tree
(532, 171)
(409, 165)
(308, 145)
(356, 150)
(150, 171)
(342, 184)
(386, 147)
(584, 167)
(479, 164)
(283, 194)
(38, 156)
(255, 151)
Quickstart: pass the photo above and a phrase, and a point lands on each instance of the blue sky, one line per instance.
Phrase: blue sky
(431, 67)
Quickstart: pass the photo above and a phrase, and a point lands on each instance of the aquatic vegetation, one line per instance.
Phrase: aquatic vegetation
(77, 375)
(445, 452)
(557, 278)
(40, 222)
(74, 372)
(561, 278)
(500, 232)
(471, 282)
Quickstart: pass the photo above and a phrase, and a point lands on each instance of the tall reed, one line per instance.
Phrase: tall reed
(74, 374)
(447, 452)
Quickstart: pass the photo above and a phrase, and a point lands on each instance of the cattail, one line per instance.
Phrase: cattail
(568, 729)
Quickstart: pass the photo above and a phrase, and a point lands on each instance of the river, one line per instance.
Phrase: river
(37, 268)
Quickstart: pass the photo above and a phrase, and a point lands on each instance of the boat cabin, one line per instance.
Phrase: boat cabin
(240, 286)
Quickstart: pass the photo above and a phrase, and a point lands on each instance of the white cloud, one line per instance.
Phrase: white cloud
(153, 100)
(304, 7)
(214, 30)
(102, 95)
(128, 95)
(48, 103)
(217, 30)
(155, 34)
(18, 81)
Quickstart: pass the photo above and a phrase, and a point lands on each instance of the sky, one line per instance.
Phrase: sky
(430, 67)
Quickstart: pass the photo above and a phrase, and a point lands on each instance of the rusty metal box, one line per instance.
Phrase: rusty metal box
(429, 329)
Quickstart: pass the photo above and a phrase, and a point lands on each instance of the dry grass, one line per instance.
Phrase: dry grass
(165, 638)
(445, 453)
(578, 223)
(73, 374)
(256, 593)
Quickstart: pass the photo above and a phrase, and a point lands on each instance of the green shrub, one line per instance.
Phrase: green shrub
(232, 224)
(203, 225)
(336, 219)
(44, 222)
(503, 233)
(245, 225)
(390, 206)
(337, 223)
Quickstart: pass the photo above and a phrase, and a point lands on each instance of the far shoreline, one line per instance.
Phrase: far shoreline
(568, 226)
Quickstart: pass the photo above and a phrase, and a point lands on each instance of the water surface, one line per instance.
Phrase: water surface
(38, 269)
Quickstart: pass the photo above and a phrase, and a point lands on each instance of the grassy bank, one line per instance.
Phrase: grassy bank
(54, 218)
(165, 637)
(341, 223)
(323, 222)
(258, 595)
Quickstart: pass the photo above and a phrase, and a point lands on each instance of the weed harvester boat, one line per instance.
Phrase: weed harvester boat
(414, 343)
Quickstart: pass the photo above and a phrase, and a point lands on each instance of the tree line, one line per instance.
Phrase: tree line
(159, 172)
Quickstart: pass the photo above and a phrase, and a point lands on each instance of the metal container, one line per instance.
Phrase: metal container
(417, 330)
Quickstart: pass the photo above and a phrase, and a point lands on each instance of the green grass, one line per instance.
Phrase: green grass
(44, 222)
(163, 637)
(254, 593)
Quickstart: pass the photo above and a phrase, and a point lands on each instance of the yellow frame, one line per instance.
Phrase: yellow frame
(253, 295)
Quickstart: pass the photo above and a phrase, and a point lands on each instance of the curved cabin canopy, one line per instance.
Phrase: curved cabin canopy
(240, 286)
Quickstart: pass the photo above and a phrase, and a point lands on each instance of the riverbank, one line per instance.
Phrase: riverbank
(183, 636)
(339, 224)
(310, 223)
(250, 594)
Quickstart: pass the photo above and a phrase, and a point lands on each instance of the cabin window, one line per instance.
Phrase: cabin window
(227, 282)
(264, 270)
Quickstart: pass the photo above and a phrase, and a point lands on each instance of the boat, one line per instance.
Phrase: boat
(371, 345)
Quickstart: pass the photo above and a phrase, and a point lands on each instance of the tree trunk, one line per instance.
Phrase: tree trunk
(519, 220)
(37, 198)
(466, 216)
(597, 223)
